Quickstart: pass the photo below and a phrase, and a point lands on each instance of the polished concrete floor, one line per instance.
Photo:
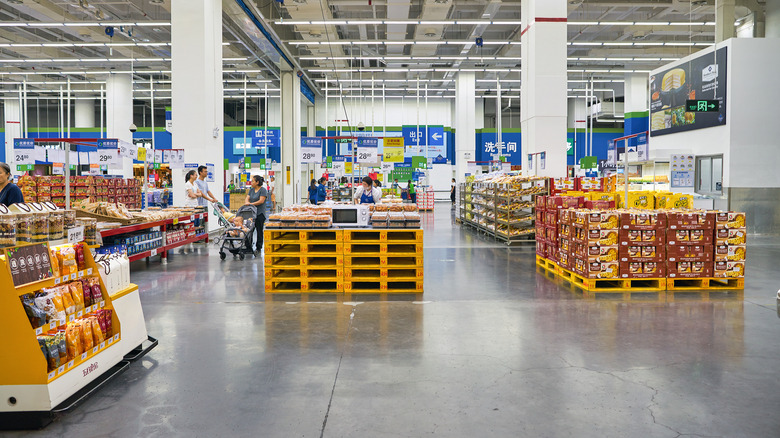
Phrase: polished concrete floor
(494, 349)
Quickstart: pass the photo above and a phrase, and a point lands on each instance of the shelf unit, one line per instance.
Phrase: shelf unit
(505, 211)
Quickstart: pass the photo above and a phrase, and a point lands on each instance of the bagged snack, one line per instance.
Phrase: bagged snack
(56, 298)
(36, 316)
(53, 349)
(44, 302)
(86, 293)
(55, 265)
(67, 300)
(97, 294)
(77, 294)
(73, 339)
(62, 345)
(68, 261)
(97, 332)
(86, 335)
(79, 250)
(42, 344)
(109, 331)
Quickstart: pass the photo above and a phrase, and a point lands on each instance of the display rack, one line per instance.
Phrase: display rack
(162, 244)
(30, 394)
(352, 261)
(505, 211)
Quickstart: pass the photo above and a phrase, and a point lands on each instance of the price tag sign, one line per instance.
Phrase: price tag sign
(61, 369)
(71, 318)
(116, 337)
(102, 304)
(110, 341)
(58, 169)
(24, 148)
(176, 159)
(71, 363)
(65, 278)
(153, 252)
(393, 154)
(89, 271)
(81, 274)
(311, 150)
(103, 345)
(125, 148)
(95, 350)
(52, 325)
(141, 153)
(192, 217)
(52, 374)
(73, 276)
(368, 150)
(57, 281)
(80, 313)
(84, 356)
(176, 221)
(39, 331)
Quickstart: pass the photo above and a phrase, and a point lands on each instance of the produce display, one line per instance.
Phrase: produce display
(98, 188)
(594, 240)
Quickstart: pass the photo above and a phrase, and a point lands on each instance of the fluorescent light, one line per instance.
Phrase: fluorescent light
(82, 23)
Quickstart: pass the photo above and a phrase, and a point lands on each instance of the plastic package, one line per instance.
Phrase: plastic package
(87, 340)
(69, 219)
(62, 345)
(77, 294)
(80, 262)
(55, 265)
(67, 300)
(90, 229)
(7, 231)
(68, 256)
(56, 225)
(53, 351)
(97, 294)
(97, 332)
(24, 228)
(39, 229)
(45, 303)
(73, 340)
(107, 315)
(36, 316)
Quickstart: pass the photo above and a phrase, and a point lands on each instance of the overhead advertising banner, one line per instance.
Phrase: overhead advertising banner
(703, 77)
(368, 151)
(423, 135)
(176, 159)
(311, 150)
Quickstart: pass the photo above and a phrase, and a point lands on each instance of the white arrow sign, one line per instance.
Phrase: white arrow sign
(436, 136)
(631, 149)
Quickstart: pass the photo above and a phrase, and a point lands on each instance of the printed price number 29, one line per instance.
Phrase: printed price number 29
(104, 158)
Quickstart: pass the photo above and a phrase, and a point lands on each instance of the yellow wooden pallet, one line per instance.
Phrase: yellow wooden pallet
(546, 264)
(285, 286)
(613, 284)
(322, 236)
(385, 286)
(352, 248)
(384, 236)
(303, 273)
(710, 283)
(302, 248)
(380, 261)
(293, 260)
(357, 273)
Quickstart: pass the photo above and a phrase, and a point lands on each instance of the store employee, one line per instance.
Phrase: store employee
(367, 193)
(10, 194)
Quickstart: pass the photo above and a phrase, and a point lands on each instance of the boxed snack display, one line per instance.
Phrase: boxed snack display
(689, 269)
(729, 269)
(643, 220)
(591, 184)
(730, 253)
(729, 219)
(596, 219)
(596, 269)
(637, 269)
(560, 185)
(596, 253)
(690, 253)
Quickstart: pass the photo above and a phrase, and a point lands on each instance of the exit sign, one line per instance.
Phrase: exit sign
(343, 140)
(702, 106)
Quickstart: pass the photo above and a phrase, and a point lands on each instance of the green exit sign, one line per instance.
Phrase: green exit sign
(702, 106)
(343, 140)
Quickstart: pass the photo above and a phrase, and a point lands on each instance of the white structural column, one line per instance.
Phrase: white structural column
(636, 105)
(13, 128)
(772, 16)
(724, 20)
(465, 128)
(119, 114)
(543, 105)
(290, 178)
(196, 89)
(84, 113)
(311, 131)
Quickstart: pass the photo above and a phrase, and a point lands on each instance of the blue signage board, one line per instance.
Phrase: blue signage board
(435, 136)
(440, 160)
(339, 159)
(251, 149)
(24, 143)
(429, 135)
(265, 137)
(309, 142)
(108, 143)
(399, 165)
(368, 142)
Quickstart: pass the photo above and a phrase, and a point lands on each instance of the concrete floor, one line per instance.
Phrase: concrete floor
(496, 349)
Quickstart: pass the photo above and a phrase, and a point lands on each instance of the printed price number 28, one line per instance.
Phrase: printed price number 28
(364, 156)
(308, 155)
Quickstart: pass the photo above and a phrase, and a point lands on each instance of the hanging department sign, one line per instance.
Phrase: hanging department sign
(311, 150)
(368, 150)
(108, 153)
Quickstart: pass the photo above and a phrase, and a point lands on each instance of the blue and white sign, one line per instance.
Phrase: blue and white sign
(210, 176)
(108, 153)
(368, 150)
(251, 149)
(191, 166)
(435, 136)
(611, 153)
(439, 160)
(108, 143)
(428, 135)
(24, 149)
(265, 137)
(642, 151)
(402, 165)
(311, 150)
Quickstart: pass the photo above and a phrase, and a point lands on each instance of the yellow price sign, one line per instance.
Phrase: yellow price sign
(141, 154)
(393, 154)
(348, 167)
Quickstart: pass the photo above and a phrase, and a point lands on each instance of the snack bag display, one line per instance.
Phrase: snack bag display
(44, 302)
(107, 313)
(56, 298)
(67, 300)
(53, 350)
(42, 344)
(97, 294)
(55, 265)
(79, 251)
(77, 294)
(62, 345)
(69, 265)
(36, 316)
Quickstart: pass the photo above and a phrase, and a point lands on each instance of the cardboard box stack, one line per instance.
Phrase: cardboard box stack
(642, 247)
(554, 223)
(562, 185)
(730, 240)
(690, 250)
(541, 212)
(594, 242)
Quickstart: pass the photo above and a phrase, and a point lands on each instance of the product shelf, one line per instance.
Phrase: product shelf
(165, 248)
(146, 225)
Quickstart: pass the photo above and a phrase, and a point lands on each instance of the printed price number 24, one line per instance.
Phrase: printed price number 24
(22, 157)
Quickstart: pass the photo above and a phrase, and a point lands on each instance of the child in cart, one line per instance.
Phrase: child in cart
(238, 226)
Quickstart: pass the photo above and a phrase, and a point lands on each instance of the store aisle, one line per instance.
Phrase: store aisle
(496, 349)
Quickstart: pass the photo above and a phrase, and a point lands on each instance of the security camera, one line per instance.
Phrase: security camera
(361, 127)
(133, 128)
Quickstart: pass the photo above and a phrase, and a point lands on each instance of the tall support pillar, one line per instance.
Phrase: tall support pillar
(724, 20)
(196, 90)
(13, 128)
(119, 114)
(465, 129)
(84, 116)
(311, 131)
(543, 107)
(290, 178)
(772, 17)
(636, 108)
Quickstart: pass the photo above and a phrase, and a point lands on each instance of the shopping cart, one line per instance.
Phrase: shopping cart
(233, 239)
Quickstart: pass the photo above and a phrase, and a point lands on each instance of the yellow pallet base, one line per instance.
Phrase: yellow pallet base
(546, 264)
(305, 274)
(682, 284)
(303, 248)
(383, 261)
(401, 249)
(383, 286)
(286, 236)
(304, 260)
(383, 274)
(287, 286)
(384, 236)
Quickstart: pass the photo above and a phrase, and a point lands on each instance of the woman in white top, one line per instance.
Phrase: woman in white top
(192, 194)
(367, 193)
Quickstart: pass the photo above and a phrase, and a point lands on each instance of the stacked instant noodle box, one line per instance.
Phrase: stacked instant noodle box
(594, 240)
